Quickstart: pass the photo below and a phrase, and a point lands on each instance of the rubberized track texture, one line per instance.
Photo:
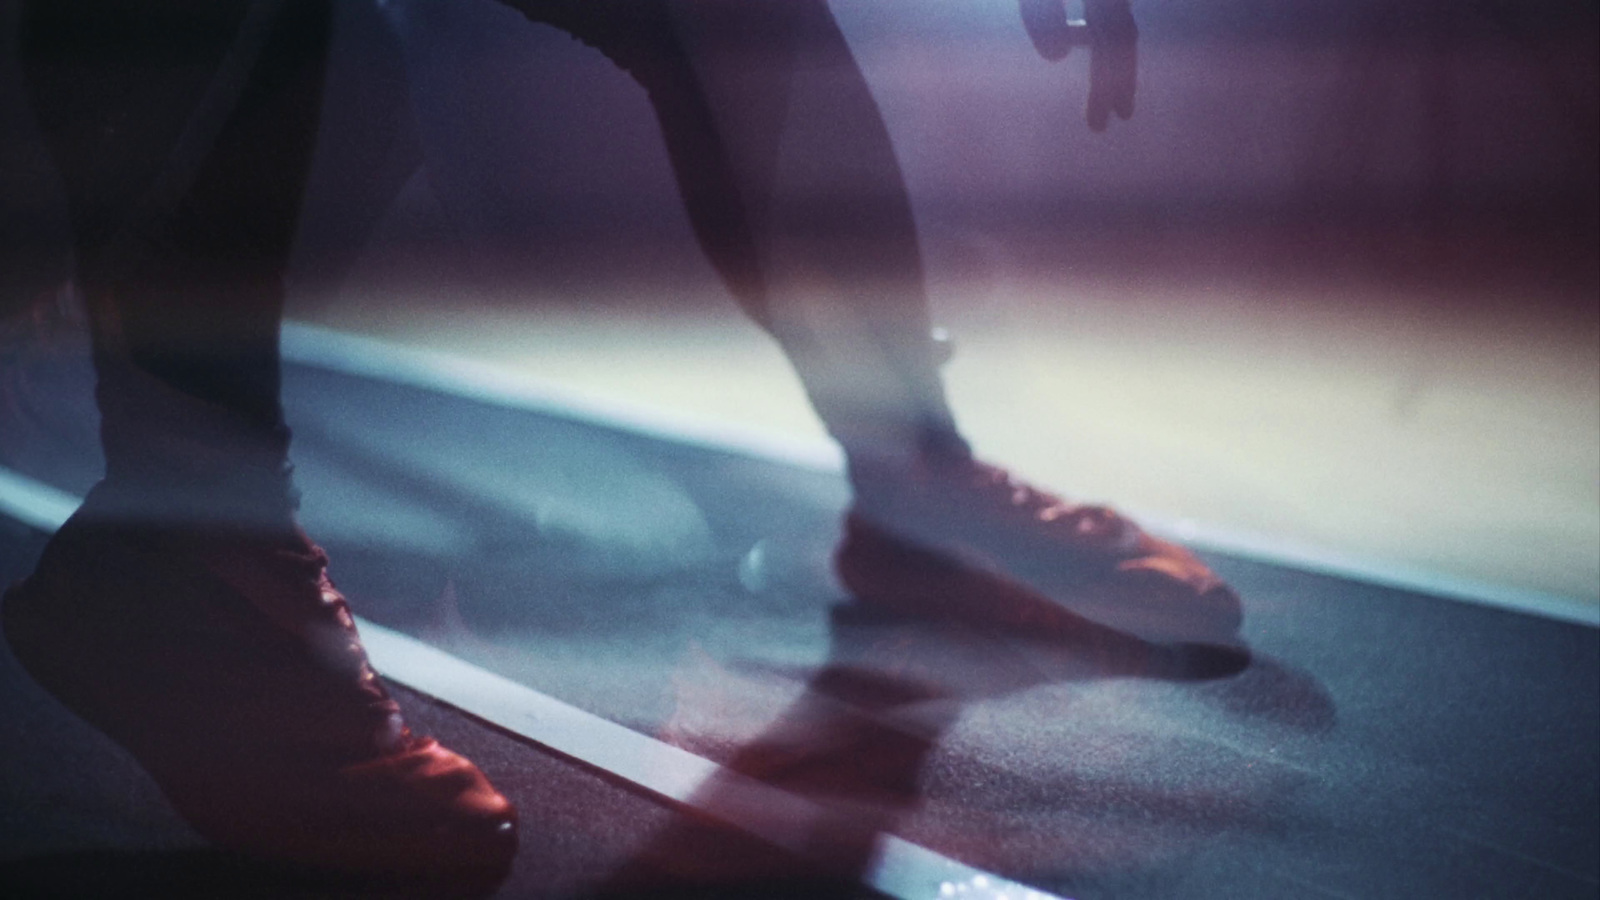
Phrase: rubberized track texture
(1376, 742)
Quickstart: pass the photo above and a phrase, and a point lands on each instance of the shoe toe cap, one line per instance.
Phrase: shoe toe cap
(1182, 600)
(440, 811)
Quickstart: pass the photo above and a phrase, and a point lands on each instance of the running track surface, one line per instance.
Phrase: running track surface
(1380, 743)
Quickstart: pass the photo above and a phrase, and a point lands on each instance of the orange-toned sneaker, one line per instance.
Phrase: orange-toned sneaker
(1089, 559)
(230, 667)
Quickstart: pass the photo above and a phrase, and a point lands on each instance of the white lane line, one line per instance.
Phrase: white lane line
(897, 868)
(322, 348)
(34, 503)
(1279, 551)
(335, 351)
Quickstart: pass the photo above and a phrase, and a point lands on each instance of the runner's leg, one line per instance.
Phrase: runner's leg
(792, 187)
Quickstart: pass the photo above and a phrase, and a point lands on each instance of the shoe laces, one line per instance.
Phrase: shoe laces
(290, 583)
(392, 735)
(336, 608)
(1083, 522)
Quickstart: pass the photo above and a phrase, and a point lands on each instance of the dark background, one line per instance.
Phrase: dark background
(1419, 140)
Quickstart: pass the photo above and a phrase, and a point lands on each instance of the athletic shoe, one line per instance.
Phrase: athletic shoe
(1086, 559)
(229, 666)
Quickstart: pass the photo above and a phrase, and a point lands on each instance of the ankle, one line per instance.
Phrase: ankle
(176, 459)
(262, 506)
(901, 453)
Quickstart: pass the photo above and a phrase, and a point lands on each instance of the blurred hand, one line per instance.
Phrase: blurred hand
(1109, 31)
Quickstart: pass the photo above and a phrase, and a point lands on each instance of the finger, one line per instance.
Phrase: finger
(1126, 67)
(1098, 117)
(1124, 41)
(1114, 61)
(1099, 106)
